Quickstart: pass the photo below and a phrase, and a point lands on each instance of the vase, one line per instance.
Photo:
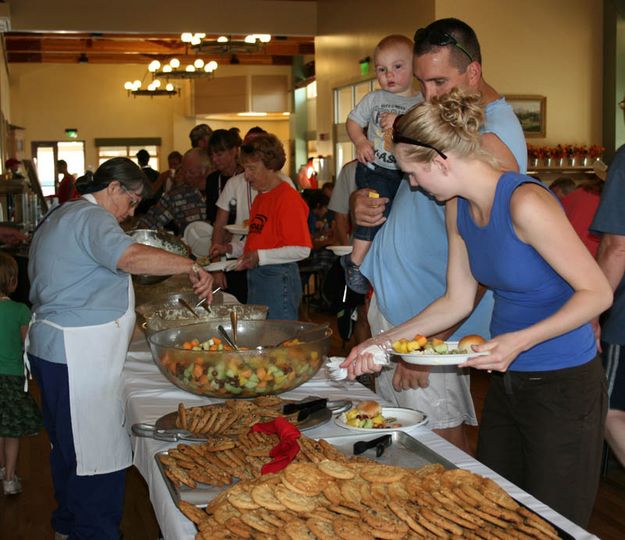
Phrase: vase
(561, 162)
(548, 162)
(572, 161)
(535, 162)
(586, 161)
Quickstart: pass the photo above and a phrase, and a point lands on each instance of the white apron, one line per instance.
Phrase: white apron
(95, 359)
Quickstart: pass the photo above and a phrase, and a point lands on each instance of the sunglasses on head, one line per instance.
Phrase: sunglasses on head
(399, 138)
(440, 39)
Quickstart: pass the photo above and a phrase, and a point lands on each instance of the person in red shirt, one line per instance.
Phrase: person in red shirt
(67, 186)
(580, 207)
(278, 231)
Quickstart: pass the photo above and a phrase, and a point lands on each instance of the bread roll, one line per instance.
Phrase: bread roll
(472, 339)
(369, 408)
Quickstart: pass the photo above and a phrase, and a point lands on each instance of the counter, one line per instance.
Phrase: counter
(147, 396)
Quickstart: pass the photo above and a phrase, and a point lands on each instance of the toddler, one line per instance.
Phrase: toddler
(19, 415)
(377, 168)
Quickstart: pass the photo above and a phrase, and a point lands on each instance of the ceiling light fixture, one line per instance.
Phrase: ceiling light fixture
(155, 88)
(226, 45)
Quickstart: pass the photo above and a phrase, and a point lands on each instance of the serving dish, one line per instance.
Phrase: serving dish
(259, 369)
(408, 418)
(159, 239)
(423, 358)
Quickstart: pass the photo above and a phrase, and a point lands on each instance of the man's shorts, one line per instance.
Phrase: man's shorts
(446, 401)
(614, 365)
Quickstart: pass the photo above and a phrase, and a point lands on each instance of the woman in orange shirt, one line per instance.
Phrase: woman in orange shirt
(278, 236)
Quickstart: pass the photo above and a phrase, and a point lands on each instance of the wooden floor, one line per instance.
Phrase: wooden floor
(27, 516)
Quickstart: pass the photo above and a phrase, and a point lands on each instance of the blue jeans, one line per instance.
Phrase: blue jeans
(277, 286)
(89, 507)
(386, 183)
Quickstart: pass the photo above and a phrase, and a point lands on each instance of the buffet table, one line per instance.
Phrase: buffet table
(147, 396)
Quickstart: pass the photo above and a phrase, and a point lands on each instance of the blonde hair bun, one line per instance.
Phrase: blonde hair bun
(461, 110)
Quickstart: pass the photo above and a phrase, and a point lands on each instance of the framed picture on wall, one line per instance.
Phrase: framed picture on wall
(531, 112)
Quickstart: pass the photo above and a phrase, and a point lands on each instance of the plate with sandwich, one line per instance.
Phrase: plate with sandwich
(371, 417)
(436, 352)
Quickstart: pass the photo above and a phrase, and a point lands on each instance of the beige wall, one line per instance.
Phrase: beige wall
(549, 48)
(348, 31)
(47, 98)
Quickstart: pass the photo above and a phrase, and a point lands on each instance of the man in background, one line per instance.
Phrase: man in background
(143, 158)
(610, 223)
(185, 202)
(199, 136)
(67, 185)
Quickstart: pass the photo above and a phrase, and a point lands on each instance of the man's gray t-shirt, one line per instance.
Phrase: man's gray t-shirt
(610, 219)
(345, 185)
(74, 280)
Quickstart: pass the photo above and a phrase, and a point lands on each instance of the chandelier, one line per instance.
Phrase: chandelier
(199, 68)
(225, 44)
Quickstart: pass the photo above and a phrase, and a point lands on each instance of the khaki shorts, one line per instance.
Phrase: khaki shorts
(447, 400)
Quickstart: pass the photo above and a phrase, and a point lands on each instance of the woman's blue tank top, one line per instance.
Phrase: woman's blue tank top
(526, 288)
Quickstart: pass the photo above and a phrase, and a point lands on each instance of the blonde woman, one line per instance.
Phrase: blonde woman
(543, 417)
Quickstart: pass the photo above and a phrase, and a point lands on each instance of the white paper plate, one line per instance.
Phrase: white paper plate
(237, 229)
(422, 359)
(221, 266)
(408, 418)
(339, 251)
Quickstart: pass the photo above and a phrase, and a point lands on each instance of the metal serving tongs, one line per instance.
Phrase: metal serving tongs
(203, 300)
(226, 337)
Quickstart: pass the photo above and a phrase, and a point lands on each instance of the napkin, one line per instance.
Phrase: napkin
(337, 373)
(286, 450)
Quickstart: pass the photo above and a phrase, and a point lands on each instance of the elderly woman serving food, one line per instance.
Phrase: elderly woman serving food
(83, 319)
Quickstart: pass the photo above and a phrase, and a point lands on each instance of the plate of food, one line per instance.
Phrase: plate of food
(221, 266)
(237, 229)
(370, 417)
(339, 251)
(436, 352)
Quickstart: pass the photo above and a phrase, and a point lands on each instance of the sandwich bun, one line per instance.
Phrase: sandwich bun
(465, 344)
(369, 408)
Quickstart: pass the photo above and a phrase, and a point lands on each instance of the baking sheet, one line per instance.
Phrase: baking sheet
(200, 496)
(166, 424)
(406, 451)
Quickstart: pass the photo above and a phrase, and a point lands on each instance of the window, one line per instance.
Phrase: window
(345, 99)
(46, 154)
(128, 147)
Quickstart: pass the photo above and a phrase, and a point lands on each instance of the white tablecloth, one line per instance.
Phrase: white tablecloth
(148, 396)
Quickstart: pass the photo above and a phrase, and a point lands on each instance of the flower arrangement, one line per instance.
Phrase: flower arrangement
(595, 151)
(561, 151)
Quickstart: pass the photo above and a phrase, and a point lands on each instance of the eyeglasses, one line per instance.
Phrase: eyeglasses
(440, 39)
(399, 138)
(134, 202)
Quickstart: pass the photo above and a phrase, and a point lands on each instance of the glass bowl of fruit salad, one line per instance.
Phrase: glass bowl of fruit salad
(195, 358)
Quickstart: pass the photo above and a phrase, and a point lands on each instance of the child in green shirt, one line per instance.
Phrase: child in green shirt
(19, 415)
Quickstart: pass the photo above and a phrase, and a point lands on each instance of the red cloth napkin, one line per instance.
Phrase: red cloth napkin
(288, 447)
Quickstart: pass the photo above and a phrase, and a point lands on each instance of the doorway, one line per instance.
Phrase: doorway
(47, 153)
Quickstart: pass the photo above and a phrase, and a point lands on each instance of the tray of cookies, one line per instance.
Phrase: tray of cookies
(196, 473)
(363, 499)
(234, 417)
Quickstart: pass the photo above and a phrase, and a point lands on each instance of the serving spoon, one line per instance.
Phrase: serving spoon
(188, 306)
